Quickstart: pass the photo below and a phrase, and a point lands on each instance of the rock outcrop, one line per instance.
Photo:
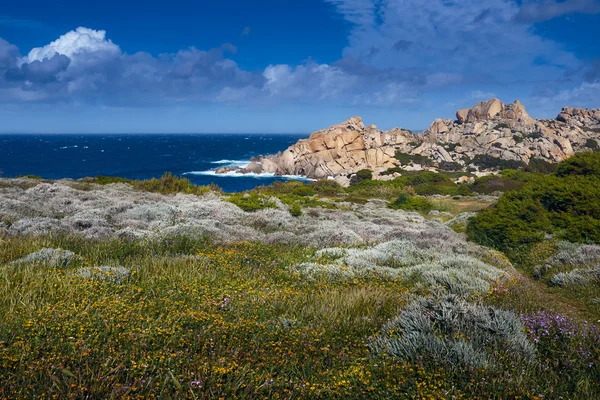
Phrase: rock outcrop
(491, 128)
(508, 132)
(342, 149)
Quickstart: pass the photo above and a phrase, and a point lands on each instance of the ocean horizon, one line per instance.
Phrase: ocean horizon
(142, 156)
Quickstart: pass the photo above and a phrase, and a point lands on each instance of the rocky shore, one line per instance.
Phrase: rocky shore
(490, 128)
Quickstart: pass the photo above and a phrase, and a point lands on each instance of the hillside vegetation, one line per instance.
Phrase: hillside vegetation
(112, 288)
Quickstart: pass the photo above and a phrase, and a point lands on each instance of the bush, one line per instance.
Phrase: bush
(586, 163)
(360, 176)
(450, 166)
(592, 144)
(327, 187)
(393, 170)
(412, 203)
(495, 183)
(565, 204)
(537, 165)
(406, 159)
(303, 191)
(107, 180)
(252, 201)
(513, 226)
(170, 184)
(485, 161)
(295, 210)
(443, 188)
(455, 333)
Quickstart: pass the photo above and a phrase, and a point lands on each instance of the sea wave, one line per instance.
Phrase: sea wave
(232, 163)
(235, 174)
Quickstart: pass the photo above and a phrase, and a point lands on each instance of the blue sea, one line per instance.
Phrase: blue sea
(138, 156)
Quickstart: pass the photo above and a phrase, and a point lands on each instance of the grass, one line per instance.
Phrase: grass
(199, 320)
(166, 184)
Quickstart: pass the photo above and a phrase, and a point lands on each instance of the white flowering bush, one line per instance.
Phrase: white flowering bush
(451, 331)
(57, 258)
(113, 274)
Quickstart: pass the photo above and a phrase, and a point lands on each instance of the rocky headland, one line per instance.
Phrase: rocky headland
(490, 128)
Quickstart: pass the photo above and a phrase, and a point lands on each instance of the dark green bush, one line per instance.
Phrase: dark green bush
(592, 144)
(488, 162)
(513, 226)
(586, 163)
(538, 165)
(406, 159)
(393, 170)
(443, 188)
(450, 166)
(295, 210)
(252, 201)
(107, 180)
(304, 190)
(327, 187)
(565, 205)
(360, 176)
(495, 183)
(412, 203)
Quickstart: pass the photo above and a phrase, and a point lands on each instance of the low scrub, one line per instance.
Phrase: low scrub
(453, 332)
(409, 202)
(564, 205)
(252, 201)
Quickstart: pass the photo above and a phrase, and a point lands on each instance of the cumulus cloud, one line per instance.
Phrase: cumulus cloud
(39, 71)
(537, 11)
(82, 41)
(549, 100)
(9, 54)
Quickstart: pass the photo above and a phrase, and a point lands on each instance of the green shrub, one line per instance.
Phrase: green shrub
(488, 162)
(303, 191)
(565, 205)
(495, 183)
(450, 166)
(393, 170)
(169, 184)
(406, 159)
(327, 187)
(360, 176)
(39, 178)
(513, 226)
(592, 144)
(107, 180)
(252, 201)
(443, 188)
(586, 163)
(412, 203)
(537, 165)
(295, 210)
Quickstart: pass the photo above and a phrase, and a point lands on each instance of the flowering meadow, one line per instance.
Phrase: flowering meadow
(339, 301)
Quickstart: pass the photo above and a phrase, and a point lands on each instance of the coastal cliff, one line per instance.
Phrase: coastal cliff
(490, 128)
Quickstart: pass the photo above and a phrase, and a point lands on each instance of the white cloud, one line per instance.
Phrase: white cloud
(311, 81)
(482, 95)
(478, 39)
(535, 11)
(74, 43)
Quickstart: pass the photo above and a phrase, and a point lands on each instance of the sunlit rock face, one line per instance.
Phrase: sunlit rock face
(490, 128)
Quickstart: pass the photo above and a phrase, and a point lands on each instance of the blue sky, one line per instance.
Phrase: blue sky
(288, 66)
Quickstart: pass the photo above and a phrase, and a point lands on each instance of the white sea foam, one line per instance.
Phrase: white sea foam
(235, 174)
(232, 163)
